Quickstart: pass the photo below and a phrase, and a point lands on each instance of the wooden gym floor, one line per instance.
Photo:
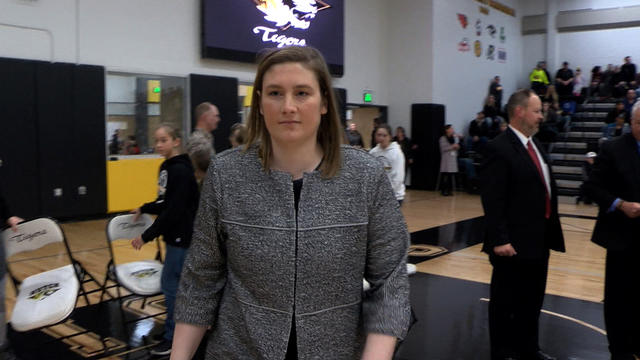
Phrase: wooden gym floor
(449, 293)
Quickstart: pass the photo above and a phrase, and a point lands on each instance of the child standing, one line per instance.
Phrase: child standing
(176, 207)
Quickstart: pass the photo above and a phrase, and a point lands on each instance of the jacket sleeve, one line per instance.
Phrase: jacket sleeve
(204, 273)
(386, 308)
(545, 80)
(600, 181)
(445, 146)
(154, 207)
(5, 213)
(494, 175)
(173, 206)
(398, 169)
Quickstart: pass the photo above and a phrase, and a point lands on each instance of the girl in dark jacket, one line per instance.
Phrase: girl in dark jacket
(176, 207)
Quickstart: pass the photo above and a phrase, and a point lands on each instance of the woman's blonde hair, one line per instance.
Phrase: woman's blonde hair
(330, 134)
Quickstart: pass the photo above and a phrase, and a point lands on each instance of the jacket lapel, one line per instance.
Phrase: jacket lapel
(632, 148)
(524, 154)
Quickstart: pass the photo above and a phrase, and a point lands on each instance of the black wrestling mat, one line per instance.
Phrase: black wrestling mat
(453, 323)
(431, 243)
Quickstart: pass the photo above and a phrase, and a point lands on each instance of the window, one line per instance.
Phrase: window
(137, 104)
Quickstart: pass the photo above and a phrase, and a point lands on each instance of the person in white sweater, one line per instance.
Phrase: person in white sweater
(391, 156)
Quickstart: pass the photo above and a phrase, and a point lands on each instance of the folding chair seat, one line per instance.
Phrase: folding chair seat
(44, 298)
(141, 277)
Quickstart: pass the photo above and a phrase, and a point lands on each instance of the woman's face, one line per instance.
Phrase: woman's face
(449, 131)
(291, 104)
(383, 137)
(400, 134)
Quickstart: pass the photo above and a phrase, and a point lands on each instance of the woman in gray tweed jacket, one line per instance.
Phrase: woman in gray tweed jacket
(287, 229)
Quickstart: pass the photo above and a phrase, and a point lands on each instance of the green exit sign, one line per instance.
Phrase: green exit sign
(367, 97)
(156, 89)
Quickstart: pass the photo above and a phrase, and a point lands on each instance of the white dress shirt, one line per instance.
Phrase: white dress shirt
(543, 164)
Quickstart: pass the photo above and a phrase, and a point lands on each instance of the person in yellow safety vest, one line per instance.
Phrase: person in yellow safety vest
(539, 80)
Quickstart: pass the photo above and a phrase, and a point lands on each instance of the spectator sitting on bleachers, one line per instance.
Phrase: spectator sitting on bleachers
(549, 128)
(615, 112)
(619, 86)
(628, 102)
(605, 82)
(596, 79)
(502, 127)
(616, 129)
(495, 89)
(479, 131)
(579, 86)
(539, 79)
(491, 110)
(551, 96)
(564, 82)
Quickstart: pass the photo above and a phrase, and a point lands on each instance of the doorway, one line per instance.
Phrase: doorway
(364, 116)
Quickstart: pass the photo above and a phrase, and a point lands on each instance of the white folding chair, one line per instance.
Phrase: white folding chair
(140, 277)
(45, 297)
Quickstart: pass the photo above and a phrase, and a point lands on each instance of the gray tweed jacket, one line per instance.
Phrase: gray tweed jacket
(244, 276)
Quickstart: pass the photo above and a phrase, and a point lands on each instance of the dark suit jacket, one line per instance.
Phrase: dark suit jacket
(513, 198)
(615, 174)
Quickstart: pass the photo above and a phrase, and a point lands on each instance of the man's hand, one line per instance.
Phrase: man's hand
(136, 213)
(137, 243)
(504, 250)
(630, 209)
(13, 222)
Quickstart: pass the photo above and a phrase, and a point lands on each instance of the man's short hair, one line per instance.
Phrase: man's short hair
(202, 109)
(634, 109)
(518, 98)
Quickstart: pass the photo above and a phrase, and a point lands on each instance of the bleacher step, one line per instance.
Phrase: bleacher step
(568, 184)
(571, 157)
(560, 169)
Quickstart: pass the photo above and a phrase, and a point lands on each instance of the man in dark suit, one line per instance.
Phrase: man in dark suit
(519, 198)
(615, 185)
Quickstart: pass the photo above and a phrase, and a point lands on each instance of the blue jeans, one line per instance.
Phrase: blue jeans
(171, 270)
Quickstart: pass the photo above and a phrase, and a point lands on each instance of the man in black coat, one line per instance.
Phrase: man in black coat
(615, 185)
(520, 202)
